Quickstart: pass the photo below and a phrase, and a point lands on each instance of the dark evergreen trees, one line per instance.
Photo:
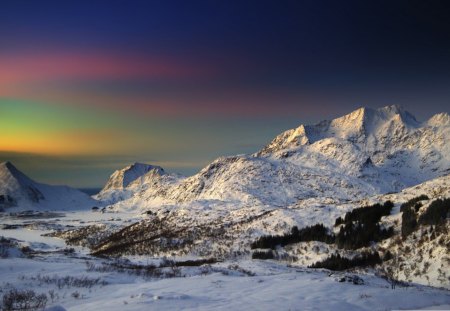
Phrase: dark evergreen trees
(311, 233)
(367, 214)
(338, 263)
(413, 202)
(357, 235)
(361, 226)
(409, 221)
(436, 213)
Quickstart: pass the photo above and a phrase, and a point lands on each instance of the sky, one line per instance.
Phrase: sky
(87, 87)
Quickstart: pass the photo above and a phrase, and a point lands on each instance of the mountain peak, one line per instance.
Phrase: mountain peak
(440, 119)
(120, 179)
(393, 110)
(397, 109)
(367, 115)
(358, 113)
(18, 190)
(8, 170)
(367, 120)
(354, 119)
(7, 165)
(355, 126)
(15, 184)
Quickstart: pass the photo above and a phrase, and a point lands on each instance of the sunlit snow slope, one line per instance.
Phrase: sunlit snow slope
(367, 152)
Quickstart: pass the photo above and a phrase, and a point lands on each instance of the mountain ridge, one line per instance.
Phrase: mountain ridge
(365, 152)
(368, 151)
(362, 121)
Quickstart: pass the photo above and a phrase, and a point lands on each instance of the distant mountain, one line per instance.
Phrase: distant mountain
(125, 182)
(366, 152)
(17, 190)
(359, 127)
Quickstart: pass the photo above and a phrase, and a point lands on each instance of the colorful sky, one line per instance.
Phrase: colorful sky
(87, 87)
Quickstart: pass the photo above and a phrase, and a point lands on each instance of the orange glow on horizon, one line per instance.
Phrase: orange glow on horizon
(63, 143)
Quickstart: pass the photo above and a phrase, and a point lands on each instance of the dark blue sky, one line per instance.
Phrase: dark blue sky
(342, 46)
(194, 68)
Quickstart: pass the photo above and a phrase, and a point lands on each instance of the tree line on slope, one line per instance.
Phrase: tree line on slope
(366, 214)
(338, 263)
(360, 227)
(436, 214)
(311, 233)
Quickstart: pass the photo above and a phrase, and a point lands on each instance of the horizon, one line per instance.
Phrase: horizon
(91, 190)
(86, 89)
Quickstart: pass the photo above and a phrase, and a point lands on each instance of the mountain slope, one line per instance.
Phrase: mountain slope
(366, 152)
(17, 190)
(359, 127)
(15, 185)
(226, 231)
(123, 183)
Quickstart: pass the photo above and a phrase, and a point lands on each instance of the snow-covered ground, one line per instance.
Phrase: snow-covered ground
(239, 285)
(272, 287)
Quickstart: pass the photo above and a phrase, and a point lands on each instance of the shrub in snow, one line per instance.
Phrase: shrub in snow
(76, 295)
(68, 281)
(263, 254)
(352, 279)
(28, 300)
(9, 248)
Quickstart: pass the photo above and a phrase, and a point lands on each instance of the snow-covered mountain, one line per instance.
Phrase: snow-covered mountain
(17, 190)
(366, 152)
(310, 176)
(125, 182)
(225, 230)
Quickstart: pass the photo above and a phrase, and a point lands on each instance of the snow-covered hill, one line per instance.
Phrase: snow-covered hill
(126, 182)
(224, 230)
(306, 176)
(367, 152)
(20, 192)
